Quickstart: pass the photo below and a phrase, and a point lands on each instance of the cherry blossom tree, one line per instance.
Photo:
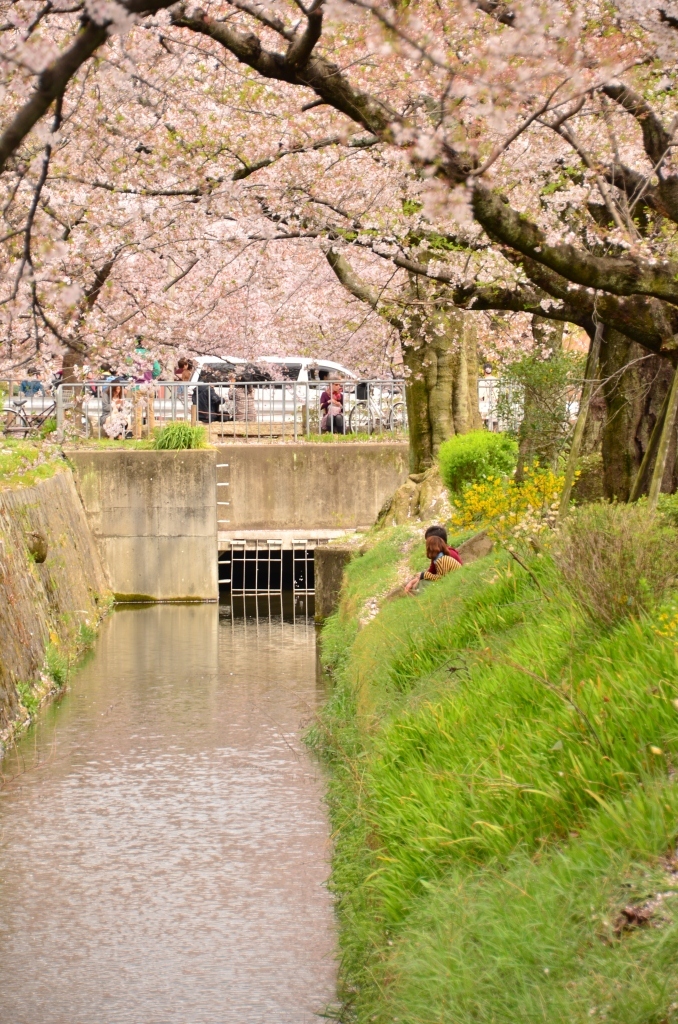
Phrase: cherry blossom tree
(538, 135)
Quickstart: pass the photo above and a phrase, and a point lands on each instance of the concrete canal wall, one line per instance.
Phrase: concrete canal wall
(310, 487)
(44, 602)
(153, 517)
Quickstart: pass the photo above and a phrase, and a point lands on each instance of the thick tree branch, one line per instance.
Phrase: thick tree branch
(303, 44)
(319, 74)
(496, 9)
(624, 276)
(655, 137)
(350, 280)
(51, 83)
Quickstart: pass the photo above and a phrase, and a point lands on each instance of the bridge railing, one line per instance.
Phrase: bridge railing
(256, 411)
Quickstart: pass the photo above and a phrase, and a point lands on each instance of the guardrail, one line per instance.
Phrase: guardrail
(266, 410)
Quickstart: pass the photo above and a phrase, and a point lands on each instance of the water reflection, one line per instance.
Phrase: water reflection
(163, 845)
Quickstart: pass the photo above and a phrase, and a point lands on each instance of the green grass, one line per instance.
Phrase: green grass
(141, 444)
(486, 740)
(179, 436)
(357, 438)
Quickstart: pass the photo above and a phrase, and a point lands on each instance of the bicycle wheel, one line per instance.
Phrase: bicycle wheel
(14, 424)
(360, 419)
(397, 417)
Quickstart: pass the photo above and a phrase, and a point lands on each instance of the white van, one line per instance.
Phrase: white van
(293, 368)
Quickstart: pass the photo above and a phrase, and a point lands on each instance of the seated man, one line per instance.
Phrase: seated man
(208, 402)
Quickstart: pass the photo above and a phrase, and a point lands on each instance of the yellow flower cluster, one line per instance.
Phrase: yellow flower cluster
(508, 508)
(668, 625)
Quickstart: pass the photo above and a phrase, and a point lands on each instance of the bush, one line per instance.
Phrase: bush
(617, 559)
(177, 436)
(474, 456)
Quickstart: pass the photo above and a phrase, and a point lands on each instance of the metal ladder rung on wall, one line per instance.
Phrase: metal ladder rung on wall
(221, 504)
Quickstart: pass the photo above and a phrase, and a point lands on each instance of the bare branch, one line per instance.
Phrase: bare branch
(270, 20)
(189, 268)
(359, 142)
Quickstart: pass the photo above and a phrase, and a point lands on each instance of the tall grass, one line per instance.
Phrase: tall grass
(489, 740)
(179, 436)
(618, 558)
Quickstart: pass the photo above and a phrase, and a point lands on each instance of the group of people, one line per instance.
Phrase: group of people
(443, 560)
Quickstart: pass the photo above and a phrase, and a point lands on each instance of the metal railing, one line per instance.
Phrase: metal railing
(266, 410)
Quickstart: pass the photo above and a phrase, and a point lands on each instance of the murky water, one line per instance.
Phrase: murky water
(163, 853)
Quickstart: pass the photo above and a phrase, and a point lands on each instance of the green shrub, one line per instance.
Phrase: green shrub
(473, 456)
(177, 436)
(617, 559)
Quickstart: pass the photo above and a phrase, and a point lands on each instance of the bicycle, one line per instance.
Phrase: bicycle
(18, 422)
(367, 415)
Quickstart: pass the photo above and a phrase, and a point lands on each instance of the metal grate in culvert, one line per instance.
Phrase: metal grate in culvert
(267, 567)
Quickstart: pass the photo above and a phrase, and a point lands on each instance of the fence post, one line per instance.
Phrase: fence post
(60, 412)
(151, 414)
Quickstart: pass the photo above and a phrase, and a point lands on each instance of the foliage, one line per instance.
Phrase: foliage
(475, 456)
(27, 697)
(180, 435)
(617, 559)
(48, 427)
(22, 463)
(507, 507)
(57, 662)
(500, 790)
(546, 385)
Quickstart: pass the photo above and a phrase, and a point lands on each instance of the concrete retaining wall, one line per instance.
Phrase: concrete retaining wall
(329, 565)
(310, 486)
(50, 600)
(153, 516)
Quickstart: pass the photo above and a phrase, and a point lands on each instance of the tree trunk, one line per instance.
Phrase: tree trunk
(465, 389)
(634, 388)
(440, 354)
(72, 358)
(439, 349)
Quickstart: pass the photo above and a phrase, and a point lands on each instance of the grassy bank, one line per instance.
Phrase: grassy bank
(24, 462)
(502, 800)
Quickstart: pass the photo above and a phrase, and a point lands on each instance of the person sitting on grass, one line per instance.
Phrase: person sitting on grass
(444, 560)
(440, 531)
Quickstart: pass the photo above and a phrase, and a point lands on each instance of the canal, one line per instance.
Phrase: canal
(163, 840)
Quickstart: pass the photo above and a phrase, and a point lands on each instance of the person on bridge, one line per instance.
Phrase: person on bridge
(332, 408)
